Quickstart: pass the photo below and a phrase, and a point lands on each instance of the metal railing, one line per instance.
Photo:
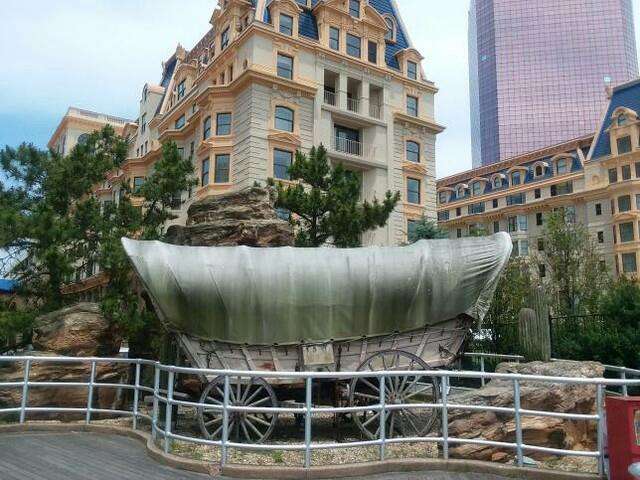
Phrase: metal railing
(375, 111)
(168, 399)
(350, 147)
(330, 98)
(353, 104)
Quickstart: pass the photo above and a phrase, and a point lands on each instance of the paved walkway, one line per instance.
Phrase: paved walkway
(82, 456)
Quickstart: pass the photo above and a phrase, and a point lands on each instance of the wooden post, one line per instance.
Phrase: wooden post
(533, 333)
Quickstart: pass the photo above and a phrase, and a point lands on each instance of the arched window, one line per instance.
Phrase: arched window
(443, 197)
(413, 151)
(539, 171)
(284, 119)
(622, 120)
(462, 191)
(497, 182)
(561, 166)
(477, 188)
(83, 139)
(391, 29)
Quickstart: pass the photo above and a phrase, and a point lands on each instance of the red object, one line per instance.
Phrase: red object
(623, 435)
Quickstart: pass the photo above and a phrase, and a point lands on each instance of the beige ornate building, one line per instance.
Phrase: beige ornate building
(273, 77)
(596, 178)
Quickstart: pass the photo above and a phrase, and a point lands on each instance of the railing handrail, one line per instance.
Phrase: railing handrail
(169, 398)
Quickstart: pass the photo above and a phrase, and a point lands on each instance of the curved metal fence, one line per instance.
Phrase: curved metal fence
(166, 399)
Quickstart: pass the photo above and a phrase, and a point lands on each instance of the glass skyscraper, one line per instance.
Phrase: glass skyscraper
(539, 69)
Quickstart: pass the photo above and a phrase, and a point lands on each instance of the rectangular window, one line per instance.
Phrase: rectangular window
(476, 208)
(204, 172)
(562, 167)
(524, 248)
(598, 209)
(626, 172)
(624, 145)
(373, 52)
(412, 70)
(513, 224)
(334, 38)
(413, 191)
(629, 263)
(626, 232)
(286, 24)
(517, 199)
(354, 46)
(495, 203)
(206, 128)
(222, 169)
(537, 193)
(600, 237)
(624, 203)
(458, 211)
(182, 88)
(284, 119)
(224, 39)
(181, 122)
(143, 121)
(443, 197)
(459, 233)
(561, 189)
(138, 182)
(285, 66)
(539, 219)
(223, 124)
(282, 160)
(523, 223)
(496, 227)
(354, 8)
(613, 175)
(412, 106)
(443, 216)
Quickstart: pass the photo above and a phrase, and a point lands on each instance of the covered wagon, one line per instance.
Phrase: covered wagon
(294, 309)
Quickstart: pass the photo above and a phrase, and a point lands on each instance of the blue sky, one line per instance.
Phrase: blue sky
(97, 54)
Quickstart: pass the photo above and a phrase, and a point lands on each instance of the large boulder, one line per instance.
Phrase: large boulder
(246, 218)
(78, 331)
(535, 395)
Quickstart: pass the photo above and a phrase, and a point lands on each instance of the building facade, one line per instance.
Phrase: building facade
(538, 70)
(271, 78)
(596, 178)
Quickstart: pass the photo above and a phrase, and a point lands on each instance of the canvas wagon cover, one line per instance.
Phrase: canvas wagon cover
(263, 296)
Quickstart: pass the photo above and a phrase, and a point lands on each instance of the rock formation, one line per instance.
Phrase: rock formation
(238, 218)
(537, 431)
(77, 331)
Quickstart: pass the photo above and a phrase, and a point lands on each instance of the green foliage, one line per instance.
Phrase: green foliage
(576, 278)
(14, 322)
(326, 203)
(499, 332)
(426, 229)
(51, 223)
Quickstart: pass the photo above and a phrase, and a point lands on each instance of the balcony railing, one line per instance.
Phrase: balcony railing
(350, 147)
(375, 111)
(330, 98)
(353, 104)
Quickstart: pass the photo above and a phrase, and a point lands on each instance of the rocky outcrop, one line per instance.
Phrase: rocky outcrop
(239, 218)
(77, 331)
(535, 395)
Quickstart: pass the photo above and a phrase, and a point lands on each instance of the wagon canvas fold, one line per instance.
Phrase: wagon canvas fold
(320, 309)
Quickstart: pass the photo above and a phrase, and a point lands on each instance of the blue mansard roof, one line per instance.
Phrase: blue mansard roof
(626, 95)
(308, 27)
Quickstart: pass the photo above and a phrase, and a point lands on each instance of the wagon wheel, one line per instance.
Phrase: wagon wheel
(405, 389)
(244, 427)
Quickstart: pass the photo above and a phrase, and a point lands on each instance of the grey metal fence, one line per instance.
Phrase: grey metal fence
(167, 399)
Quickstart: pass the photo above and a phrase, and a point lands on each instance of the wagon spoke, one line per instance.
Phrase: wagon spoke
(259, 420)
(366, 395)
(254, 428)
(213, 400)
(215, 420)
(253, 395)
(369, 384)
(246, 433)
(259, 402)
(377, 414)
(243, 400)
(418, 392)
(393, 421)
(407, 417)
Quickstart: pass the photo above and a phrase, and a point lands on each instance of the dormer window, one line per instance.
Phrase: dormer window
(561, 166)
(354, 8)
(443, 197)
(539, 171)
(497, 182)
(181, 89)
(461, 191)
(476, 188)
(412, 70)
(622, 120)
(391, 29)
(286, 24)
(516, 178)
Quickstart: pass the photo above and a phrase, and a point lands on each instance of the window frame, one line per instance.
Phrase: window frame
(206, 128)
(218, 168)
(416, 152)
(180, 122)
(288, 28)
(181, 89)
(412, 70)
(227, 131)
(276, 118)
(350, 46)
(412, 192)
(354, 8)
(372, 53)
(205, 172)
(628, 234)
(277, 166)
(280, 68)
(224, 38)
(626, 142)
(411, 108)
(334, 46)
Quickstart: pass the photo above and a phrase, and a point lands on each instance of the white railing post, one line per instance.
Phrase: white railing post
(482, 370)
(92, 380)
(445, 417)
(225, 422)
(383, 417)
(156, 392)
(518, 420)
(307, 424)
(25, 391)
(601, 428)
(136, 395)
(625, 390)
(168, 413)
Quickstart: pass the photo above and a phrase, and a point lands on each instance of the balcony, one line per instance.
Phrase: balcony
(375, 111)
(353, 104)
(330, 98)
(347, 146)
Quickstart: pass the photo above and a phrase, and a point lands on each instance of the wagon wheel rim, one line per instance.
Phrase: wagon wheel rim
(399, 390)
(243, 427)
